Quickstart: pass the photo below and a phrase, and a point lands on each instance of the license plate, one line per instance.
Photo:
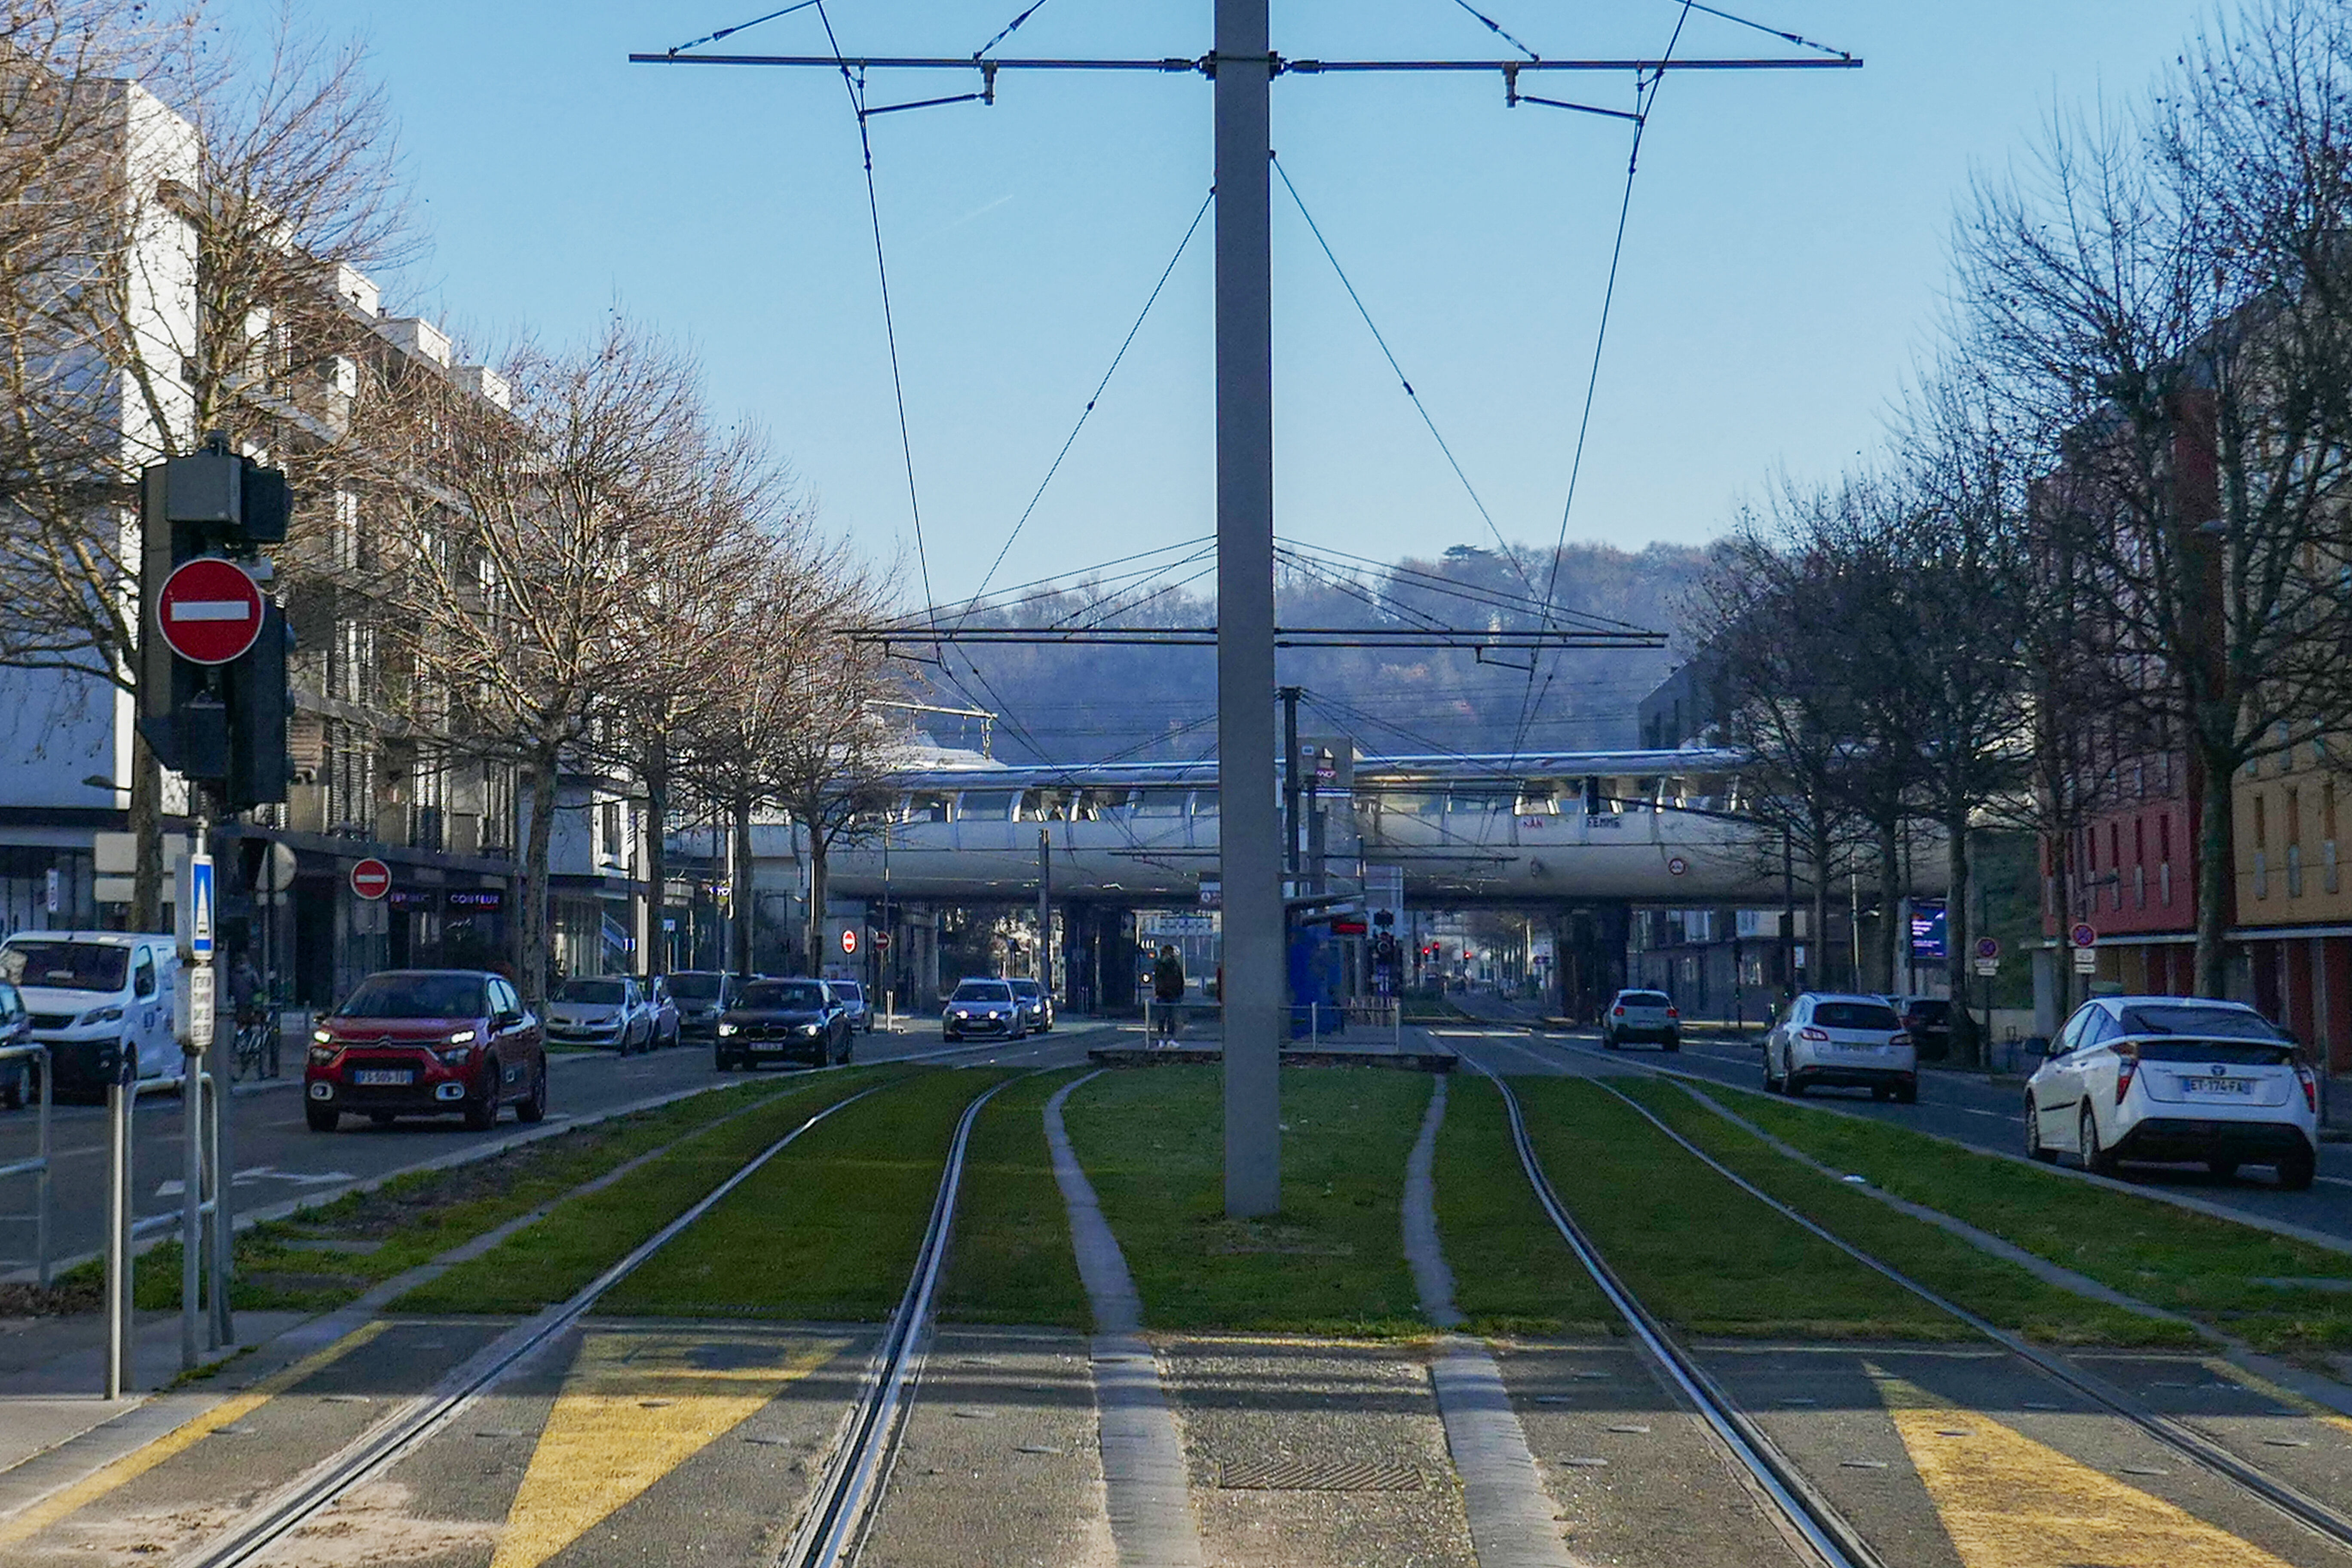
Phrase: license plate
(2216, 1085)
(382, 1077)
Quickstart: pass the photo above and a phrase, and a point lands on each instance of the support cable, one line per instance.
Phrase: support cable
(855, 87)
(1009, 29)
(1645, 98)
(1491, 24)
(1402, 380)
(1087, 413)
(730, 32)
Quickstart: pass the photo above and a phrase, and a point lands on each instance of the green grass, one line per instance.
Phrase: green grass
(1995, 1290)
(587, 1233)
(411, 1219)
(1331, 1260)
(1512, 1272)
(2205, 1268)
(829, 1229)
(1011, 1261)
(1701, 1253)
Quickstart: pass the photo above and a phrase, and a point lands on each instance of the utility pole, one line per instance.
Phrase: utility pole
(1045, 907)
(1243, 66)
(1290, 695)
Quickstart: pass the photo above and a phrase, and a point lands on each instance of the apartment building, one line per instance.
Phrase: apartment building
(2293, 936)
(374, 775)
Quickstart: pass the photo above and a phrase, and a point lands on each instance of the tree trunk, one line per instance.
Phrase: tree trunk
(741, 895)
(1966, 1044)
(1886, 961)
(1817, 945)
(147, 831)
(820, 873)
(538, 776)
(2208, 800)
(657, 773)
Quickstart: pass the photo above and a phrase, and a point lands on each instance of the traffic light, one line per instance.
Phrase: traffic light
(212, 656)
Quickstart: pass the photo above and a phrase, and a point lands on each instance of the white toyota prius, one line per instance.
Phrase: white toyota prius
(2174, 1079)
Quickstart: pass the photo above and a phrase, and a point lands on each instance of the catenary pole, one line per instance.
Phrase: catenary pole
(1249, 836)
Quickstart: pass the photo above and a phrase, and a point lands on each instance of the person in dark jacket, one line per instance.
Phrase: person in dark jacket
(1167, 988)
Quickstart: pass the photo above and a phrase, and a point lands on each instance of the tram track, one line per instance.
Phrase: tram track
(852, 1474)
(1833, 1537)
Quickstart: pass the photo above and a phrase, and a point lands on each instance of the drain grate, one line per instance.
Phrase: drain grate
(1316, 1476)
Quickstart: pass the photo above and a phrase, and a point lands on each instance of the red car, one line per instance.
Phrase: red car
(428, 1042)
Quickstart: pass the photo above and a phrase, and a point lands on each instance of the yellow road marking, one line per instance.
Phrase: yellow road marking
(138, 1461)
(635, 1408)
(2007, 1501)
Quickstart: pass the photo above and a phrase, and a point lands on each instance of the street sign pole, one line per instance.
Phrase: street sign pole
(1250, 849)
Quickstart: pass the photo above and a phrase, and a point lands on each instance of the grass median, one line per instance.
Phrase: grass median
(1013, 1261)
(318, 1258)
(1994, 1289)
(2276, 1293)
(587, 1233)
(1512, 1272)
(828, 1230)
(1701, 1253)
(1331, 1261)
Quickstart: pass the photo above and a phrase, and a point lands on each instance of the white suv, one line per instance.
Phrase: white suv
(1843, 1042)
(2175, 1077)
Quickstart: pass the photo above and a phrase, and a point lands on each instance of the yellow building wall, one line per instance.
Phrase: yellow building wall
(2289, 814)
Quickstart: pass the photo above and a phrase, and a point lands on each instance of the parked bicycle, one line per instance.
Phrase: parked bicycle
(257, 1046)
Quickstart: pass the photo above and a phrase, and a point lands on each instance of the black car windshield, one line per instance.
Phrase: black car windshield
(71, 965)
(1642, 998)
(595, 993)
(1933, 1008)
(847, 990)
(783, 996)
(1027, 988)
(693, 988)
(1855, 1015)
(2187, 1018)
(983, 991)
(416, 996)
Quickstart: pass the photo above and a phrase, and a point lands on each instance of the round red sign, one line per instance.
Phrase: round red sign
(2085, 935)
(371, 878)
(848, 940)
(209, 611)
(881, 941)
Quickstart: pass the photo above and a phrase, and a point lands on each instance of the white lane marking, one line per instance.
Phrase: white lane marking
(2333, 1181)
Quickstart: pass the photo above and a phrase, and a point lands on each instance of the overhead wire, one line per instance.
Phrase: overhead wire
(1009, 29)
(1087, 413)
(1644, 99)
(730, 32)
(854, 85)
(1402, 380)
(1496, 29)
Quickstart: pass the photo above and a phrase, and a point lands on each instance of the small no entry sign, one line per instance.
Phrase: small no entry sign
(209, 611)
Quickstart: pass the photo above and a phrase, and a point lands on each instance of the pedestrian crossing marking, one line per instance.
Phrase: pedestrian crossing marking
(634, 1407)
(2007, 1501)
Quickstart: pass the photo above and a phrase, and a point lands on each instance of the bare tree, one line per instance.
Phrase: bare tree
(177, 263)
(2171, 295)
(516, 593)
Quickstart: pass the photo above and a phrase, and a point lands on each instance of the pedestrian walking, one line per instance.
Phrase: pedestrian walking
(1167, 988)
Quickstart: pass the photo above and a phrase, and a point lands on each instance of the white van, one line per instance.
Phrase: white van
(94, 995)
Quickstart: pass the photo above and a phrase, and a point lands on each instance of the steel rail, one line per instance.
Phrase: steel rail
(1813, 1515)
(833, 1530)
(2322, 1518)
(375, 1450)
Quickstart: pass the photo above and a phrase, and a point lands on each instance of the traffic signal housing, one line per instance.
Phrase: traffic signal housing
(224, 723)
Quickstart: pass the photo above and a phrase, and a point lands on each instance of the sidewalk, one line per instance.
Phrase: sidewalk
(53, 1373)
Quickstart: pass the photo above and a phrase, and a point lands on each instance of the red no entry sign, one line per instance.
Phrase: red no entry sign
(371, 878)
(209, 611)
(848, 940)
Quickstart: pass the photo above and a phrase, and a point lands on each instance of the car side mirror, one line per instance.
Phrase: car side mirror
(508, 1020)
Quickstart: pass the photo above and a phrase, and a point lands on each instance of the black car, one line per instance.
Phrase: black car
(1929, 1021)
(792, 1020)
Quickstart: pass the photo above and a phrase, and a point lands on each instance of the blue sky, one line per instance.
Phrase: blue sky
(1783, 268)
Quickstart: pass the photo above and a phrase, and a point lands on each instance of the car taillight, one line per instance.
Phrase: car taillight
(2303, 1076)
(1898, 1038)
(1812, 1033)
(1672, 1013)
(1616, 1012)
(2126, 1065)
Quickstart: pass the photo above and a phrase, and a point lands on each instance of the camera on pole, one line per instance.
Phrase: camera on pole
(212, 688)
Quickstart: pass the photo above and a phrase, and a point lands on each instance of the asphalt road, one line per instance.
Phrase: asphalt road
(1986, 1114)
(278, 1157)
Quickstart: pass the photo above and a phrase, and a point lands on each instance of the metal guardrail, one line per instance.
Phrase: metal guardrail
(37, 1167)
(1320, 1020)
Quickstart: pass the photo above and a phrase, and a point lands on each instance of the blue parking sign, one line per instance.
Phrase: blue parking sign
(200, 907)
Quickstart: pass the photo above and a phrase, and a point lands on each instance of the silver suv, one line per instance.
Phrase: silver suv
(1845, 1042)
